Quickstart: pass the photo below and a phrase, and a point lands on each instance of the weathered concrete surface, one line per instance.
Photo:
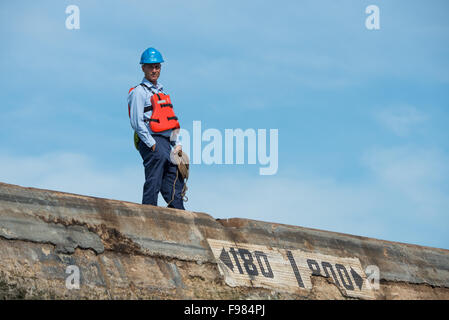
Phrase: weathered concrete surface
(127, 250)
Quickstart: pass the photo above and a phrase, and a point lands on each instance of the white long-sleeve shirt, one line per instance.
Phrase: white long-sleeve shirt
(138, 99)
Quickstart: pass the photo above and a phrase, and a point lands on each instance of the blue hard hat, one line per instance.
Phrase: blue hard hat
(151, 55)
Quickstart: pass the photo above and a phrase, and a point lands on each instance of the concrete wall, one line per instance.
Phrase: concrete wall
(127, 250)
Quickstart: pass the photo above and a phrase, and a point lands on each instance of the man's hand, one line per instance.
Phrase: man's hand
(178, 150)
(153, 147)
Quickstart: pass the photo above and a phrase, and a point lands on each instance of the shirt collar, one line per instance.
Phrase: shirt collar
(158, 87)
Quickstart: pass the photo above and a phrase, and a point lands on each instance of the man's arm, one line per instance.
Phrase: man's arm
(136, 101)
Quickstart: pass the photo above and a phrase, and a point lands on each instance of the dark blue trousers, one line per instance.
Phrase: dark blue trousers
(160, 174)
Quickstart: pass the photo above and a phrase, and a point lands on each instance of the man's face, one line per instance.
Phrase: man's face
(152, 71)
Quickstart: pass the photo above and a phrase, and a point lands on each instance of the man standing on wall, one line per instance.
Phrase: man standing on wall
(155, 134)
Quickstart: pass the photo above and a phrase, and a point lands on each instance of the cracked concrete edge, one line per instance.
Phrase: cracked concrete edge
(65, 238)
(122, 226)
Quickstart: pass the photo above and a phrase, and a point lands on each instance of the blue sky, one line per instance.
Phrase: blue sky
(362, 114)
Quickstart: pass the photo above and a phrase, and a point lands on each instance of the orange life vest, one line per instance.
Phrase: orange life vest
(163, 117)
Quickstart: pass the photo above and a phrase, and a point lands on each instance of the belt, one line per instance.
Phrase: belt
(160, 135)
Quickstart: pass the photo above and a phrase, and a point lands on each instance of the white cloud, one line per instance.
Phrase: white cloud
(74, 173)
(417, 175)
(401, 120)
